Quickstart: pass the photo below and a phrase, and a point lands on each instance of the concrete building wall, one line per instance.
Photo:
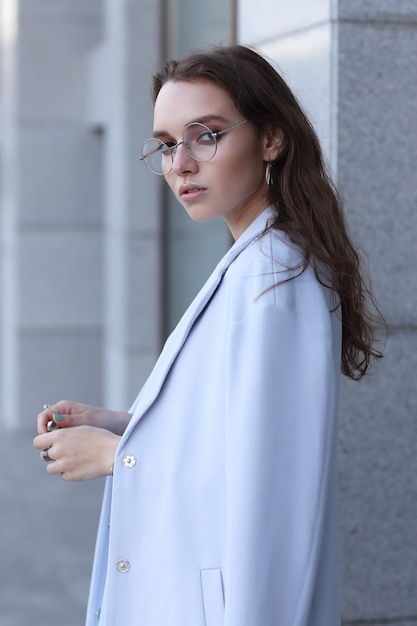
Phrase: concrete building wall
(80, 266)
(119, 105)
(53, 239)
(377, 156)
(80, 217)
(59, 210)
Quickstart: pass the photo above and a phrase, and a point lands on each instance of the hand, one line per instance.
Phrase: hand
(79, 453)
(66, 413)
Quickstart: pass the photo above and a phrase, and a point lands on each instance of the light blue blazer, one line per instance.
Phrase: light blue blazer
(222, 509)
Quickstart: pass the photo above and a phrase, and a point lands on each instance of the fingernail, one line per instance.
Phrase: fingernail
(57, 417)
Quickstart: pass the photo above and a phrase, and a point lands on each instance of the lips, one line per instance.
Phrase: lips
(190, 190)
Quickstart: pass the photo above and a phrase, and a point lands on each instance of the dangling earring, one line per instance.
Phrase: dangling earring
(268, 175)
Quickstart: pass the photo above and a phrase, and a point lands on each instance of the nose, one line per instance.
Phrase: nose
(183, 161)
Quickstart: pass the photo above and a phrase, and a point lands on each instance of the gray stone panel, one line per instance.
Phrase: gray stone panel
(144, 188)
(305, 60)
(142, 56)
(60, 173)
(145, 192)
(52, 83)
(383, 622)
(378, 504)
(378, 155)
(60, 279)
(144, 263)
(59, 8)
(60, 366)
(392, 10)
(266, 19)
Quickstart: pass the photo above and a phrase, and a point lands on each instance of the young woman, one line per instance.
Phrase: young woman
(222, 505)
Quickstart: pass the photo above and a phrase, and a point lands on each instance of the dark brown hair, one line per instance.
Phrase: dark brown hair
(308, 206)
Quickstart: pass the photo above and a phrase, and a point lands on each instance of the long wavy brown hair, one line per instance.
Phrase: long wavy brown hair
(308, 207)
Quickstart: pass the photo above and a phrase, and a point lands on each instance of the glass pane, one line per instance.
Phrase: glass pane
(193, 249)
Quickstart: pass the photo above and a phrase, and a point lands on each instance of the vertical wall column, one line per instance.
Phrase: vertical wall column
(8, 214)
(301, 39)
(51, 213)
(144, 209)
(120, 105)
(80, 215)
(109, 80)
(377, 157)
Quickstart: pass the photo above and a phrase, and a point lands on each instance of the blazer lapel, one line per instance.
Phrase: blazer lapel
(176, 340)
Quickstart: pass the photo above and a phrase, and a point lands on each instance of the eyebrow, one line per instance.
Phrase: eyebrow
(201, 120)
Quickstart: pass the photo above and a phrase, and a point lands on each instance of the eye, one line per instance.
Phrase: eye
(155, 147)
(205, 136)
(164, 148)
(167, 144)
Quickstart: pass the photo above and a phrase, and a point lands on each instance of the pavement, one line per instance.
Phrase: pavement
(47, 537)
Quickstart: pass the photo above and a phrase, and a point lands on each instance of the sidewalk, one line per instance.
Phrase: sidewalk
(47, 536)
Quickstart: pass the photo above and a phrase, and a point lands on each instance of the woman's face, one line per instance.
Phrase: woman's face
(232, 184)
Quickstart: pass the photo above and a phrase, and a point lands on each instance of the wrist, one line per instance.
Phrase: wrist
(120, 422)
(109, 452)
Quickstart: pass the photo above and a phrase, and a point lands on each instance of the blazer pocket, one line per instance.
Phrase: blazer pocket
(213, 596)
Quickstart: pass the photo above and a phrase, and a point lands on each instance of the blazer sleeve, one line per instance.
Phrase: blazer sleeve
(282, 404)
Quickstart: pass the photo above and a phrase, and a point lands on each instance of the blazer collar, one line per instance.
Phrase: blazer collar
(177, 338)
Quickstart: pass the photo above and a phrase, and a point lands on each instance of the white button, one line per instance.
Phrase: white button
(129, 461)
(123, 566)
(98, 613)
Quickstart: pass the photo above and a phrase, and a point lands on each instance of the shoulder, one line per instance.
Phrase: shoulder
(270, 272)
(272, 251)
(268, 261)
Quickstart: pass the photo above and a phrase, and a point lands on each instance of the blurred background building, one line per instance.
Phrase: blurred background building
(97, 262)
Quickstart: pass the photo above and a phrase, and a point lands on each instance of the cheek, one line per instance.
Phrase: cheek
(247, 169)
(246, 156)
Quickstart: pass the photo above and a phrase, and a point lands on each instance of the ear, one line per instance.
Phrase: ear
(273, 144)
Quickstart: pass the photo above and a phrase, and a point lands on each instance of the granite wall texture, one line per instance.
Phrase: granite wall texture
(377, 156)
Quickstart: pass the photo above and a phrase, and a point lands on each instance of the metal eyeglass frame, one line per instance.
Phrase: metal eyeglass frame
(172, 149)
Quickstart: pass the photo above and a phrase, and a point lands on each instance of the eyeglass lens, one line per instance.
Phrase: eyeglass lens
(198, 140)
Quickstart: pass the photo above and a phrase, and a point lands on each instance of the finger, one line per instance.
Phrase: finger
(42, 420)
(54, 468)
(57, 416)
(43, 441)
(45, 455)
(61, 418)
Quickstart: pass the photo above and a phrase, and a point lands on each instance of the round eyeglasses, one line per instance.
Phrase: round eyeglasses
(198, 140)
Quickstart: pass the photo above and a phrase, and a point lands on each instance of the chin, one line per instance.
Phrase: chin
(198, 215)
